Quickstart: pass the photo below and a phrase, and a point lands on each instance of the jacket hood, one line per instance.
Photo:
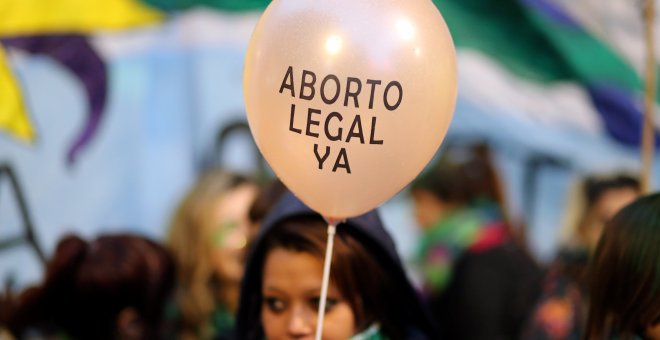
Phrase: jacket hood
(367, 229)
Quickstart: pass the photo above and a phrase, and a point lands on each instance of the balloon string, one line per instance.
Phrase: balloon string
(332, 228)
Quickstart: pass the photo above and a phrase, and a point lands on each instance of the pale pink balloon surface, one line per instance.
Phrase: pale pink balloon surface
(348, 100)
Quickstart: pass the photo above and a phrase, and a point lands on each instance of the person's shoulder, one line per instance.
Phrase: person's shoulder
(502, 251)
(505, 262)
(416, 334)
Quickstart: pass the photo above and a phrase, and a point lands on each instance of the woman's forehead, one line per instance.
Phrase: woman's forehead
(294, 272)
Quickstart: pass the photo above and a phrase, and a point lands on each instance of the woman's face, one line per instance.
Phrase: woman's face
(428, 208)
(291, 290)
(230, 231)
(653, 331)
(607, 205)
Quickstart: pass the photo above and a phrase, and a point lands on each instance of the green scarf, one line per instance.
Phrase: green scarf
(452, 235)
(371, 333)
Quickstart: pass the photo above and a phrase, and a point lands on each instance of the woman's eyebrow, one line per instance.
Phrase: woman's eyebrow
(275, 290)
(317, 291)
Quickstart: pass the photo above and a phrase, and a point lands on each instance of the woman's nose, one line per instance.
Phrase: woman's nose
(302, 322)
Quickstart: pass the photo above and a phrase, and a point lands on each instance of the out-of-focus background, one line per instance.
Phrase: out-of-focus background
(110, 109)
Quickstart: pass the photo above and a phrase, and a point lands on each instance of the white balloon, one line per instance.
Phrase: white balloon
(348, 100)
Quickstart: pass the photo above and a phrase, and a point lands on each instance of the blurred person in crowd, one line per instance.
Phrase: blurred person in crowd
(269, 194)
(369, 295)
(561, 310)
(114, 287)
(479, 281)
(7, 303)
(208, 237)
(624, 277)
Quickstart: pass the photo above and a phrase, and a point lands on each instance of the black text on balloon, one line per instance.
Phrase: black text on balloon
(331, 124)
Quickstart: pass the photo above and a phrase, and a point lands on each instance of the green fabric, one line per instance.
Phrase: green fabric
(224, 5)
(526, 42)
(591, 59)
(535, 46)
(502, 30)
(222, 321)
(443, 242)
(371, 333)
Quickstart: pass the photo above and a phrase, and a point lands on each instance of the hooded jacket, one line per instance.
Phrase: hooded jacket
(368, 230)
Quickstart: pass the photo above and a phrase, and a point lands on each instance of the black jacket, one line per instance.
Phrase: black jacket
(369, 231)
(490, 295)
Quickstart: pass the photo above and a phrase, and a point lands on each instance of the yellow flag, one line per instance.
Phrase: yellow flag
(13, 117)
(23, 17)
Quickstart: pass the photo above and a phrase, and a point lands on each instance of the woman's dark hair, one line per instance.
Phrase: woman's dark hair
(595, 187)
(360, 279)
(269, 194)
(87, 285)
(462, 174)
(624, 278)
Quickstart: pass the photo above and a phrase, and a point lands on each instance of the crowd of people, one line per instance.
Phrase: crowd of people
(244, 260)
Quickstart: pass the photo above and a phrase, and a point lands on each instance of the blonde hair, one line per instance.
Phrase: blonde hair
(573, 218)
(189, 241)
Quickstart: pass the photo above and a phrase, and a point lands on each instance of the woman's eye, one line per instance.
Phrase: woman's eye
(329, 303)
(274, 304)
